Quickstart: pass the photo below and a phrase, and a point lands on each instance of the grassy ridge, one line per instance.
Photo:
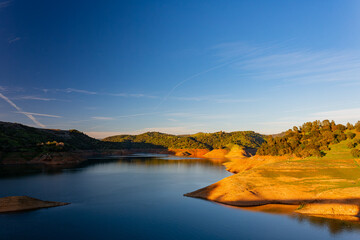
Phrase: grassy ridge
(20, 138)
(341, 150)
(209, 141)
(310, 139)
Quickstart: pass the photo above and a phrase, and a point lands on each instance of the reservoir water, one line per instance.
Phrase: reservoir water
(141, 197)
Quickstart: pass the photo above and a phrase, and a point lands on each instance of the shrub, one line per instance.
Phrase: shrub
(357, 128)
(349, 126)
(355, 153)
(351, 144)
(350, 135)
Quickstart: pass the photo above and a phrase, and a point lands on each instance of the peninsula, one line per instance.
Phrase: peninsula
(314, 167)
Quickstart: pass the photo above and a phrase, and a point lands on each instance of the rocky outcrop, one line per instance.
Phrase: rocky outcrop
(25, 203)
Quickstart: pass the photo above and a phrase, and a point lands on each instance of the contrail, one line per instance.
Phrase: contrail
(194, 76)
(41, 114)
(21, 111)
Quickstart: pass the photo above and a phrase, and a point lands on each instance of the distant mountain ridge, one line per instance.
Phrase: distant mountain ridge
(15, 137)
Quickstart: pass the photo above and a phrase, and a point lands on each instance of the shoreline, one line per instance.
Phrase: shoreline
(24, 203)
(308, 187)
(80, 156)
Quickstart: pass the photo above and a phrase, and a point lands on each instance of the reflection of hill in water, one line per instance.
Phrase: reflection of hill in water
(14, 171)
(170, 161)
(334, 226)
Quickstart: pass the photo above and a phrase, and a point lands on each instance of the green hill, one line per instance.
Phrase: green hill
(17, 137)
(248, 139)
(310, 139)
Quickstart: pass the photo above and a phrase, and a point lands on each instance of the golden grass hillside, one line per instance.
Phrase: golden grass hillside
(323, 186)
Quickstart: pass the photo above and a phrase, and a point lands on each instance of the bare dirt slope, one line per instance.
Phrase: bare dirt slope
(24, 203)
(317, 186)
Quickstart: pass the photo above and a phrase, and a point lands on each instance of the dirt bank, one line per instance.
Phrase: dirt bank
(24, 203)
(318, 187)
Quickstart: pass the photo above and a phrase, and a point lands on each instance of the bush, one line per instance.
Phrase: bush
(357, 128)
(349, 126)
(351, 144)
(350, 135)
(355, 153)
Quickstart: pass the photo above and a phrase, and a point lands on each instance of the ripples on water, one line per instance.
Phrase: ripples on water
(141, 197)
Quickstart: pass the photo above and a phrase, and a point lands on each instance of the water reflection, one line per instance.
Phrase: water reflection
(119, 186)
(334, 226)
(144, 160)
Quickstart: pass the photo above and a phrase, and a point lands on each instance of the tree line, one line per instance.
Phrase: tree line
(310, 139)
(209, 141)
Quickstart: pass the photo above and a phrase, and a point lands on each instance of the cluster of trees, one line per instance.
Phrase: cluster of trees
(53, 146)
(311, 139)
(209, 141)
(248, 139)
(155, 140)
(20, 138)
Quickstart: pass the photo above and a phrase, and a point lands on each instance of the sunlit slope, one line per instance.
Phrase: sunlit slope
(342, 150)
(331, 183)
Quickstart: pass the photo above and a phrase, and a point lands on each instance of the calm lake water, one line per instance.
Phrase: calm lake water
(141, 197)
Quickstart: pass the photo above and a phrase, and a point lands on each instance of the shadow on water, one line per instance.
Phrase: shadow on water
(334, 226)
(144, 160)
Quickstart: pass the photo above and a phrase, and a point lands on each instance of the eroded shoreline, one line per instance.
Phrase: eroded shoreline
(322, 188)
(25, 203)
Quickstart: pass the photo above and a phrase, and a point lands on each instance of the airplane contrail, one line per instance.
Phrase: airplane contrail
(39, 124)
(194, 76)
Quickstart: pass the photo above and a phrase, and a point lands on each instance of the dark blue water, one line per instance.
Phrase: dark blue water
(142, 198)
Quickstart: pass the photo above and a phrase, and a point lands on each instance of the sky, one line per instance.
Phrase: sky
(115, 67)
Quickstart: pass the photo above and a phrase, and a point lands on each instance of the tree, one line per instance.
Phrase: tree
(349, 126)
(312, 139)
(350, 135)
(351, 144)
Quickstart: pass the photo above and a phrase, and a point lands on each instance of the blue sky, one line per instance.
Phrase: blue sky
(108, 67)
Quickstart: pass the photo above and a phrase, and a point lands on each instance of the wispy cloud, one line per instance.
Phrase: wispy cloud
(125, 116)
(343, 115)
(165, 98)
(279, 63)
(135, 115)
(12, 40)
(30, 116)
(37, 98)
(207, 116)
(340, 116)
(5, 4)
(170, 130)
(216, 99)
(103, 118)
(40, 114)
(71, 90)
(134, 95)
(88, 92)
